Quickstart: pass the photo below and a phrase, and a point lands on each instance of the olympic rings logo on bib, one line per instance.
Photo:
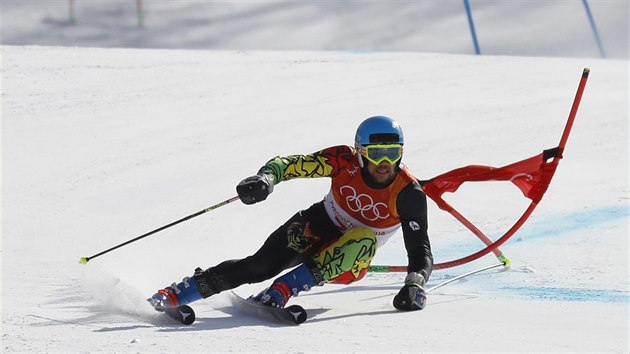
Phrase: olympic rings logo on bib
(364, 204)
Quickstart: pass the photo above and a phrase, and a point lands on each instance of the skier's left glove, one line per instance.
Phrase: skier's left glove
(255, 189)
(412, 296)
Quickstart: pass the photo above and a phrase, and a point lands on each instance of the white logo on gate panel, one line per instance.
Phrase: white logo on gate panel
(364, 204)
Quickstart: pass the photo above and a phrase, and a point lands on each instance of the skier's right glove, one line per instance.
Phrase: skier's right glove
(412, 296)
(255, 189)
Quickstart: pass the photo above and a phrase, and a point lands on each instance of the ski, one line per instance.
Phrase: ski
(183, 314)
(294, 314)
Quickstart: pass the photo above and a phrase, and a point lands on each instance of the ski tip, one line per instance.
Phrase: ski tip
(188, 314)
(298, 313)
(586, 72)
(183, 314)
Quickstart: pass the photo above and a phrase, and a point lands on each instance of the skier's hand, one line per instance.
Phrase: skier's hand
(255, 189)
(412, 296)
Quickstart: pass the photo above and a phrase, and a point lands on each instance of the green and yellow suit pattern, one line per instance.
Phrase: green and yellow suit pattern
(324, 163)
(348, 259)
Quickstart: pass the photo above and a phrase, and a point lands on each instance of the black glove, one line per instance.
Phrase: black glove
(255, 189)
(412, 296)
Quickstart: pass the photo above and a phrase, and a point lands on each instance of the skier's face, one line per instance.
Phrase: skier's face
(383, 173)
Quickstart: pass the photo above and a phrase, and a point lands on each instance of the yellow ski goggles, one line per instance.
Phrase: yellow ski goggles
(378, 153)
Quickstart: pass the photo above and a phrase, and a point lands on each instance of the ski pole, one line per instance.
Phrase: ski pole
(403, 269)
(395, 269)
(464, 275)
(84, 260)
(387, 269)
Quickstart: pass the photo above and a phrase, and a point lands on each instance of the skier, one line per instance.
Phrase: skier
(372, 195)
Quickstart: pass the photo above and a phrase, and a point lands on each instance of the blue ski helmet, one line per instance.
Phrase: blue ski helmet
(378, 130)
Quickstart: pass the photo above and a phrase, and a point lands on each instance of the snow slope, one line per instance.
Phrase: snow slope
(102, 145)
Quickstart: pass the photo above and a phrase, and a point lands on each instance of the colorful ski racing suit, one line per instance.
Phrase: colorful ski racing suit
(353, 201)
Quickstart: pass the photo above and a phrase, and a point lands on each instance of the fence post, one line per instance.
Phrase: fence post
(472, 27)
(71, 14)
(140, 12)
(591, 20)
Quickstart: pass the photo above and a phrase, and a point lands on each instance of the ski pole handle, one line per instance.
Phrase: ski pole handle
(84, 260)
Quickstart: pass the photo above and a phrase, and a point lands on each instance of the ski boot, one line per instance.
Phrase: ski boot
(299, 279)
(176, 294)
